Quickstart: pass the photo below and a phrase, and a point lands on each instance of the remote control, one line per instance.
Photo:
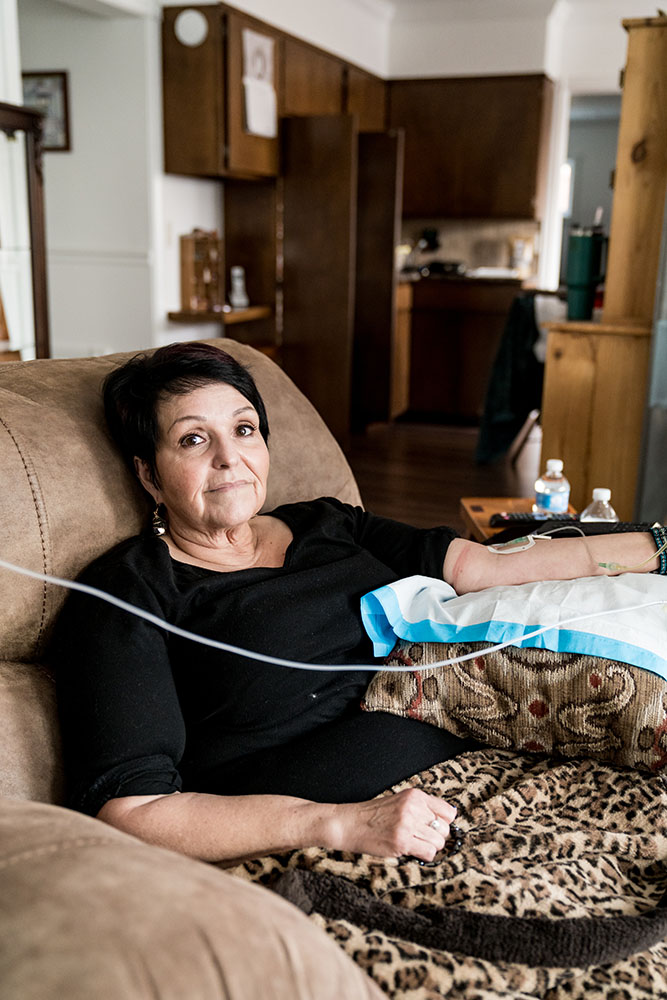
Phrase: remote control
(511, 518)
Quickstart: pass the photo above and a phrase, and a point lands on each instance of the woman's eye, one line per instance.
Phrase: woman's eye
(245, 430)
(190, 440)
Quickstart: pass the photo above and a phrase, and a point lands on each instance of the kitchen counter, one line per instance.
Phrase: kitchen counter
(474, 295)
(456, 328)
(464, 280)
(486, 275)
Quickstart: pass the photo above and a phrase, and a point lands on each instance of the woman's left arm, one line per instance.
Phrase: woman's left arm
(469, 566)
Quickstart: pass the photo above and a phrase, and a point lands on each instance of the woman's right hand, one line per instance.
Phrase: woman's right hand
(232, 828)
(410, 822)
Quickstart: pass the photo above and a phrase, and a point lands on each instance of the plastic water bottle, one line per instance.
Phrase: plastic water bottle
(599, 509)
(552, 490)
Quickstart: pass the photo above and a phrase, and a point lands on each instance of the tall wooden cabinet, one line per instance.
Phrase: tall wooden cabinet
(340, 221)
(319, 260)
(596, 374)
(379, 354)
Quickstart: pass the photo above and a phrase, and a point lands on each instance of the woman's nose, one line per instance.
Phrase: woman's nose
(226, 454)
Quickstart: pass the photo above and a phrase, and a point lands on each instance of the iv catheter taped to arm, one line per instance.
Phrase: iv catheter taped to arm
(517, 544)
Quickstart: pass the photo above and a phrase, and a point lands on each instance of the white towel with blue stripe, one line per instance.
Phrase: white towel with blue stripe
(618, 618)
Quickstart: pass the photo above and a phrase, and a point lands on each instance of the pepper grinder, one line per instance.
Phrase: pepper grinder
(238, 297)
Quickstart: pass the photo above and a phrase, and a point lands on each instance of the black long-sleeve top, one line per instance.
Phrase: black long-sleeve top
(144, 712)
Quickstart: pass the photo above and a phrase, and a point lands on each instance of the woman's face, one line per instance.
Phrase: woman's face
(211, 460)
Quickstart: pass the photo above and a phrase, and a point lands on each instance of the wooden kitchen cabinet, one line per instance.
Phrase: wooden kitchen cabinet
(475, 147)
(316, 83)
(456, 328)
(366, 97)
(313, 80)
(203, 98)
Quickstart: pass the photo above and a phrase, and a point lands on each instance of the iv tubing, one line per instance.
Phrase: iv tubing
(84, 588)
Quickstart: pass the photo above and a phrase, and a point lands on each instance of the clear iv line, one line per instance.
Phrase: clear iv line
(613, 566)
(148, 616)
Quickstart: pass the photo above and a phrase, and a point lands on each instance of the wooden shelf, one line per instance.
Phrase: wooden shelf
(226, 317)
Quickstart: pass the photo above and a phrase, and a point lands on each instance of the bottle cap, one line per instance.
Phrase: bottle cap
(554, 465)
(602, 493)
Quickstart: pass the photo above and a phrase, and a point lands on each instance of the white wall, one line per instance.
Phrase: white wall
(10, 63)
(181, 205)
(15, 267)
(113, 260)
(579, 43)
(592, 147)
(98, 206)
(470, 38)
(593, 43)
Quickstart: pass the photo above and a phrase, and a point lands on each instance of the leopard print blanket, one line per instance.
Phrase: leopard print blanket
(541, 837)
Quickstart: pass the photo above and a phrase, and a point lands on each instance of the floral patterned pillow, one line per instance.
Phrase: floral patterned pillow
(531, 700)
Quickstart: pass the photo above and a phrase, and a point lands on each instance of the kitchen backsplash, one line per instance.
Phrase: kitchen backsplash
(511, 244)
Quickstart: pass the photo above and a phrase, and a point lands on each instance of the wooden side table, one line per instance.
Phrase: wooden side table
(476, 512)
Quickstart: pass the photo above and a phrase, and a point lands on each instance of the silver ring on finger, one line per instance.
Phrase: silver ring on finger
(435, 824)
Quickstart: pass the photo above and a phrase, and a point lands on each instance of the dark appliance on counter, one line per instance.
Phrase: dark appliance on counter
(436, 269)
(443, 269)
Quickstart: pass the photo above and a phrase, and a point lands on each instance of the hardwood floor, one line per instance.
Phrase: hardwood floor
(417, 472)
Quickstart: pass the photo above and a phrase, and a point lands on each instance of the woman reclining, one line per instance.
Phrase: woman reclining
(217, 755)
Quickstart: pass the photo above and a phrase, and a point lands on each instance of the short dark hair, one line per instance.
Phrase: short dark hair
(133, 391)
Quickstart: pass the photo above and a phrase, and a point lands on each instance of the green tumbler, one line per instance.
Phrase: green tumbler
(584, 270)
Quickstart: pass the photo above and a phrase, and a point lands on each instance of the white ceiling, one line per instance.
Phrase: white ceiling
(475, 8)
(460, 5)
(459, 11)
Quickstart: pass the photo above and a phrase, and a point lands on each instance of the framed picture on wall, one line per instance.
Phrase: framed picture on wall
(47, 92)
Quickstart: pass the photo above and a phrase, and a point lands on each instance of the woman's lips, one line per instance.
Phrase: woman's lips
(224, 487)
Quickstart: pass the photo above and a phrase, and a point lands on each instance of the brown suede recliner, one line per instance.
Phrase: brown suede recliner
(86, 911)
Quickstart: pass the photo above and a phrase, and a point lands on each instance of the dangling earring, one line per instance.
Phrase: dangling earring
(159, 523)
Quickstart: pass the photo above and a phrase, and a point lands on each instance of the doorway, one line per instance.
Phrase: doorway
(591, 153)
